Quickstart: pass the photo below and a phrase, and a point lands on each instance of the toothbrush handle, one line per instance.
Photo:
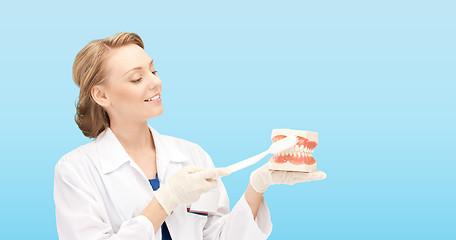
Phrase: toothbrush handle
(247, 162)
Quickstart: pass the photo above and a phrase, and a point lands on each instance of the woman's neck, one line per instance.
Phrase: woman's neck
(134, 137)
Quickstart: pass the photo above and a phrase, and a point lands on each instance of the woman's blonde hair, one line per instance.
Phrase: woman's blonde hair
(89, 71)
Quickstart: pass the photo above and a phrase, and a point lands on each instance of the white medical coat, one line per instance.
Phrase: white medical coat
(100, 192)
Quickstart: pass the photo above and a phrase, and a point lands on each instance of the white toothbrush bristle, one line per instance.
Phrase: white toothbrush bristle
(283, 144)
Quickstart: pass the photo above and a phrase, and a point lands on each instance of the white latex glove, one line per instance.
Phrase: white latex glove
(187, 185)
(262, 178)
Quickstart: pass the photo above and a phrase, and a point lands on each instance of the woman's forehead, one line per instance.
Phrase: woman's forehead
(122, 59)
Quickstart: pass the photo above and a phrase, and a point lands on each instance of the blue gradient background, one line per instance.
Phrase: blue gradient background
(376, 79)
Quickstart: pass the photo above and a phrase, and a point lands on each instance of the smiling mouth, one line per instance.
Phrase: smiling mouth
(154, 98)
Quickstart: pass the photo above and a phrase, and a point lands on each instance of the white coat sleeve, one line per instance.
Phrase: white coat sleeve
(238, 224)
(80, 216)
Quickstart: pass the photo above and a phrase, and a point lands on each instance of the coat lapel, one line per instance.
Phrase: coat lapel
(169, 157)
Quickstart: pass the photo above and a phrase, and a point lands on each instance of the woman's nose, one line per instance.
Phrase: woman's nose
(154, 80)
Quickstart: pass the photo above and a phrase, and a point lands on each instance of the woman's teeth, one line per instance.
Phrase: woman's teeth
(152, 99)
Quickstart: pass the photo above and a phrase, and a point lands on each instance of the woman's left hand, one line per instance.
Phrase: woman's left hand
(262, 178)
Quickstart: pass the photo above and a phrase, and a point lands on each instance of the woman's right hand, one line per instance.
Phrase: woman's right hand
(187, 185)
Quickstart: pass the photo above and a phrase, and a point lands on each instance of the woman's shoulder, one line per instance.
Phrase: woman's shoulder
(77, 169)
(77, 158)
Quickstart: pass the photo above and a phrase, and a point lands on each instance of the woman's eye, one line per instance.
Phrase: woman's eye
(139, 79)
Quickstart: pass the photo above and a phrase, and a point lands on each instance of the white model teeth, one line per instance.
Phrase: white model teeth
(299, 151)
(296, 149)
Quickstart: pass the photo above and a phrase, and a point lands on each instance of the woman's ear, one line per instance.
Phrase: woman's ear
(99, 96)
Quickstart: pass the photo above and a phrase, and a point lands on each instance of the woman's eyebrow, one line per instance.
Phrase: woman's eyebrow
(136, 68)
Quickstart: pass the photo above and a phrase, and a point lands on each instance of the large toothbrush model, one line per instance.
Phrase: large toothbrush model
(297, 158)
(276, 147)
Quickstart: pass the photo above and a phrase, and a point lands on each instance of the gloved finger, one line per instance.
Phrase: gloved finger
(211, 185)
(222, 172)
(192, 169)
(207, 183)
(306, 177)
(213, 173)
(297, 177)
(318, 175)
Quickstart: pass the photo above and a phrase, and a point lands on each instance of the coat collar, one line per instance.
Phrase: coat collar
(112, 155)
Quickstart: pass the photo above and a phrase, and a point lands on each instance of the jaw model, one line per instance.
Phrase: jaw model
(298, 158)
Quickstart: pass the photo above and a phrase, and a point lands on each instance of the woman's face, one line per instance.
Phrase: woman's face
(130, 84)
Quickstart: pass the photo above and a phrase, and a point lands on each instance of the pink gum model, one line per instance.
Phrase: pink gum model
(298, 158)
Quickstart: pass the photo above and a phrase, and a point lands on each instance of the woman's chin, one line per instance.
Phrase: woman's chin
(155, 113)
